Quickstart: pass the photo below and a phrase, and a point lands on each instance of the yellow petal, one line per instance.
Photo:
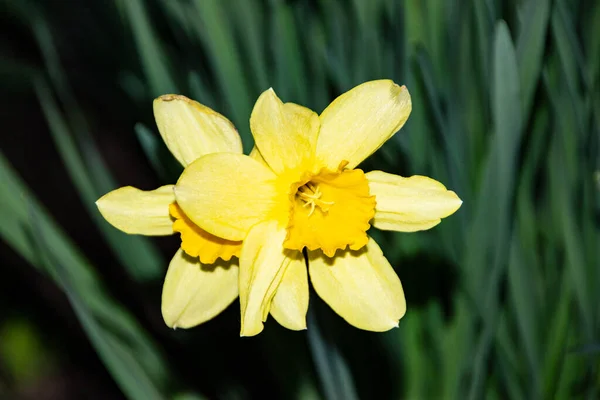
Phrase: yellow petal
(137, 211)
(194, 292)
(255, 154)
(359, 121)
(191, 130)
(226, 194)
(196, 242)
(290, 304)
(262, 265)
(410, 204)
(285, 134)
(361, 286)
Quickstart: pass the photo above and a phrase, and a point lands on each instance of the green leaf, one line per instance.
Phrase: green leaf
(331, 367)
(151, 146)
(151, 54)
(200, 90)
(225, 57)
(522, 285)
(491, 223)
(490, 234)
(117, 357)
(530, 47)
(250, 21)
(128, 353)
(163, 162)
(290, 76)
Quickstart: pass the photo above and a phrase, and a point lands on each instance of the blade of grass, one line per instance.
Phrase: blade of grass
(118, 358)
(521, 283)
(24, 220)
(571, 61)
(314, 37)
(151, 54)
(250, 22)
(507, 363)
(290, 75)
(484, 34)
(331, 367)
(223, 53)
(495, 204)
(151, 146)
(591, 38)
(564, 153)
(526, 278)
(446, 135)
(458, 342)
(530, 47)
(367, 52)
(12, 214)
(556, 338)
(163, 162)
(200, 90)
(337, 56)
(414, 363)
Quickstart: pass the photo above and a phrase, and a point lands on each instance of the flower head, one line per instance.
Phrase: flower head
(300, 189)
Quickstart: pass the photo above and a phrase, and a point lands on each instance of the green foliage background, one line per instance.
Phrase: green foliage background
(502, 297)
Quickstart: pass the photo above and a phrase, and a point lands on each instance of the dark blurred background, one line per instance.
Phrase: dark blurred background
(502, 296)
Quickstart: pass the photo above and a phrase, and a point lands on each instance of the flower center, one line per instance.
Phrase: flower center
(330, 210)
(310, 194)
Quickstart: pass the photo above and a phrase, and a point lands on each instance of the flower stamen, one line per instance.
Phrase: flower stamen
(311, 194)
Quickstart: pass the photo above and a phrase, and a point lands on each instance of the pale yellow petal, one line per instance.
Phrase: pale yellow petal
(191, 130)
(194, 292)
(361, 286)
(138, 211)
(262, 265)
(410, 204)
(226, 194)
(360, 121)
(285, 134)
(290, 304)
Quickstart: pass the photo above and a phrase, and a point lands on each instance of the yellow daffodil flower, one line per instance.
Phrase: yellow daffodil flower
(300, 189)
(202, 279)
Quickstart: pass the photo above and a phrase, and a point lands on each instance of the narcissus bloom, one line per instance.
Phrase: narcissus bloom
(202, 279)
(300, 189)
